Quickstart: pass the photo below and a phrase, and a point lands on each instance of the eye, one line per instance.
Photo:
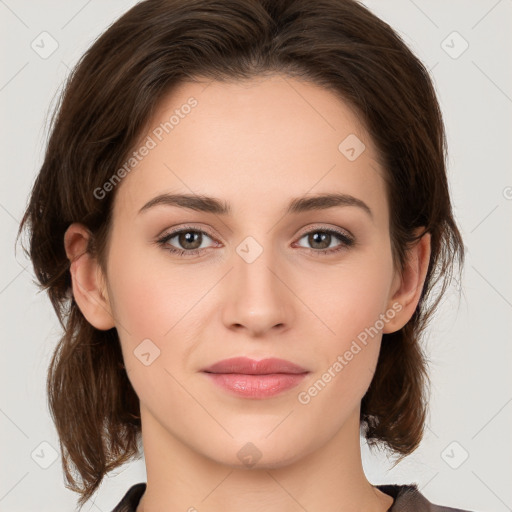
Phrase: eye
(321, 241)
(190, 239)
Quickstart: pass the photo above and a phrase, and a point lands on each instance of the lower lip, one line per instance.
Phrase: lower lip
(256, 386)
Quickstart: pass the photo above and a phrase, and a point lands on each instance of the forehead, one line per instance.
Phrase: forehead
(267, 138)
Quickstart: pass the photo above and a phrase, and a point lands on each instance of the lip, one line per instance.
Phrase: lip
(249, 366)
(248, 378)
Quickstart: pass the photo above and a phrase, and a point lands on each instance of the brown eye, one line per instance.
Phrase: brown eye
(189, 239)
(186, 241)
(321, 241)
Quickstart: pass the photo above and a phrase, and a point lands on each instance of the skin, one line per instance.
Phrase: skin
(254, 144)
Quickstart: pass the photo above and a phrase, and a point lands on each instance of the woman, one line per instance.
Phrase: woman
(240, 219)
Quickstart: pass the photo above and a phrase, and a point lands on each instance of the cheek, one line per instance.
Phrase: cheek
(149, 298)
(349, 299)
(351, 304)
(154, 315)
(347, 356)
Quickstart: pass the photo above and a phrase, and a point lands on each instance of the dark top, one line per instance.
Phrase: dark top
(407, 499)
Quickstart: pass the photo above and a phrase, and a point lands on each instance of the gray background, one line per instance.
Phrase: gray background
(468, 344)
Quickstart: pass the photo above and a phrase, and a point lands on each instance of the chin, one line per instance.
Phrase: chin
(247, 452)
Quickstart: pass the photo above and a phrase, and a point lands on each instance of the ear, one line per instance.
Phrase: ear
(408, 285)
(89, 289)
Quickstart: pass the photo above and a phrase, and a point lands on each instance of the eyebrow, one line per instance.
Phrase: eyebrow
(216, 206)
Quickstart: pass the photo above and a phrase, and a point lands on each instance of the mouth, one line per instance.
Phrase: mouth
(252, 367)
(248, 378)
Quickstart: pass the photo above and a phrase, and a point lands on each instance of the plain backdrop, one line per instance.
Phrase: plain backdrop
(464, 460)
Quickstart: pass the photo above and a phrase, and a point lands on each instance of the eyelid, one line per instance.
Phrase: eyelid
(172, 232)
(325, 227)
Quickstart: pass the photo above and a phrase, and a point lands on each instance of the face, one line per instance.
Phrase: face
(312, 284)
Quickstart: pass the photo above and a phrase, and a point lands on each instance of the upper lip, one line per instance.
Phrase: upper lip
(248, 366)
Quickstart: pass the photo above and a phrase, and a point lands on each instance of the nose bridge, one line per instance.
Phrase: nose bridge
(257, 298)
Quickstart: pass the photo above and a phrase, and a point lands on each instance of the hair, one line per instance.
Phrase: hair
(108, 101)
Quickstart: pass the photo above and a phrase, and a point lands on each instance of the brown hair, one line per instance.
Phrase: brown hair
(107, 103)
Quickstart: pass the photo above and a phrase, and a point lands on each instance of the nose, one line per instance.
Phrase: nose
(258, 296)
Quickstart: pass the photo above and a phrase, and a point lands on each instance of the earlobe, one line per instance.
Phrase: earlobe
(407, 291)
(88, 285)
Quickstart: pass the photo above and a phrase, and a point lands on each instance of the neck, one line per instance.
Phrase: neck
(330, 477)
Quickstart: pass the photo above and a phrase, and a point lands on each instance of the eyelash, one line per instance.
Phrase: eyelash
(346, 241)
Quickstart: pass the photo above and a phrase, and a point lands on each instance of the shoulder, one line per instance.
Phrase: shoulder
(131, 499)
(409, 498)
